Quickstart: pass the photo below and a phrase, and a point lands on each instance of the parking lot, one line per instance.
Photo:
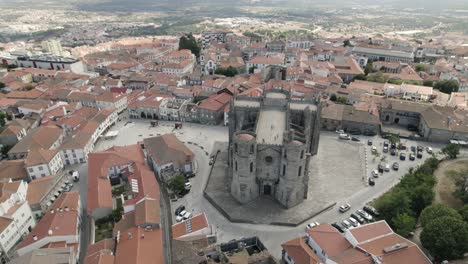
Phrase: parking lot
(349, 162)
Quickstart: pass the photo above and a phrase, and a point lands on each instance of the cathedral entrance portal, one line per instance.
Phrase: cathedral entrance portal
(266, 189)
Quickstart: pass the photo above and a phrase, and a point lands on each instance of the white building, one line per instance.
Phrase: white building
(60, 227)
(16, 218)
(42, 162)
(52, 46)
(259, 63)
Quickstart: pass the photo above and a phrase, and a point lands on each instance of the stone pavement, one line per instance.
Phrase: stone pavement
(335, 173)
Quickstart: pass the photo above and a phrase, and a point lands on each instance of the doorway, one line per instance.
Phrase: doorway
(266, 189)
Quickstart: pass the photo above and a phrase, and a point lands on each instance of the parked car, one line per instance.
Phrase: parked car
(344, 208)
(412, 157)
(392, 152)
(371, 182)
(429, 150)
(179, 218)
(380, 168)
(188, 186)
(385, 143)
(395, 166)
(369, 142)
(344, 137)
(385, 149)
(340, 131)
(67, 188)
(189, 175)
(353, 222)
(187, 215)
(374, 149)
(387, 167)
(312, 225)
(420, 148)
(346, 224)
(393, 146)
(355, 139)
(364, 215)
(179, 209)
(338, 227)
(358, 218)
(75, 175)
(413, 148)
(375, 173)
(402, 156)
(402, 146)
(371, 210)
(419, 155)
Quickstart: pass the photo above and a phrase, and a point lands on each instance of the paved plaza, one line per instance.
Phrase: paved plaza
(335, 173)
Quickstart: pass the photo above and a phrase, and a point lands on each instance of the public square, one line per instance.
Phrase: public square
(338, 175)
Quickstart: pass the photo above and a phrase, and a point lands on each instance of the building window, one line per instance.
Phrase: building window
(299, 172)
(235, 147)
(251, 166)
(285, 153)
(268, 159)
(40, 168)
(302, 154)
(31, 169)
(284, 170)
(236, 165)
(251, 149)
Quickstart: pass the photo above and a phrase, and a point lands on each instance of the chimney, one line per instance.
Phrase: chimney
(35, 238)
(50, 232)
(143, 235)
(52, 211)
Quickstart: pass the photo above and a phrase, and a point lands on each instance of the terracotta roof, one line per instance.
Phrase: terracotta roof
(197, 223)
(14, 169)
(141, 246)
(39, 188)
(266, 60)
(67, 200)
(58, 223)
(167, 148)
(100, 252)
(216, 102)
(329, 239)
(43, 136)
(366, 232)
(4, 222)
(411, 254)
(300, 252)
(147, 212)
(40, 156)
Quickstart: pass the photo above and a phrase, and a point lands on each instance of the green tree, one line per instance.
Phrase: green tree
(189, 42)
(2, 119)
(451, 151)
(333, 98)
(252, 69)
(347, 43)
(395, 81)
(229, 72)
(28, 87)
(177, 183)
(369, 68)
(342, 100)
(377, 77)
(447, 86)
(2, 85)
(464, 213)
(446, 238)
(421, 196)
(428, 83)
(404, 224)
(433, 212)
(360, 77)
(420, 67)
(394, 139)
(392, 204)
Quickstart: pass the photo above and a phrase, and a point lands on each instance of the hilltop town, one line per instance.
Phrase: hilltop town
(232, 147)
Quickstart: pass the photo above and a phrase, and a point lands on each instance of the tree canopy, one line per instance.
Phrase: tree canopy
(404, 224)
(177, 183)
(464, 212)
(447, 86)
(451, 151)
(433, 212)
(189, 42)
(446, 238)
(229, 72)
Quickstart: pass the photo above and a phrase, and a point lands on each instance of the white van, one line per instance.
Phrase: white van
(344, 136)
(75, 176)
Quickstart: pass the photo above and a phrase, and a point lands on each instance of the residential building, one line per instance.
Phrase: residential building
(211, 110)
(42, 61)
(370, 243)
(14, 170)
(16, 219)
(43, 162)
(381, 53)
(45, 137)
(47, 255)
(42, 192)
(101, 252)
(296, 251)
(192, 229)
(58, 228)
(12, 134)
(168, 156)
(53, 47)
(213, 36)
(259, 63)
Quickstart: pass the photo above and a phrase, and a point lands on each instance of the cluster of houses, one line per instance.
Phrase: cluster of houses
(55, 110)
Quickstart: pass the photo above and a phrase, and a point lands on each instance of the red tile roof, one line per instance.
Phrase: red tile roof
(300, 252)
(141, 246)
(329, 239)
(197, 223)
